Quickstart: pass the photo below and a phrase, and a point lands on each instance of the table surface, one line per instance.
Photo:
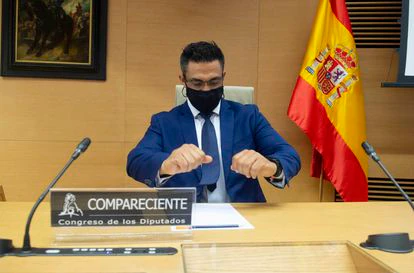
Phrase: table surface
(274, 223)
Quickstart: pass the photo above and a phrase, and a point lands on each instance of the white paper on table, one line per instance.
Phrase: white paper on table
(220, 216)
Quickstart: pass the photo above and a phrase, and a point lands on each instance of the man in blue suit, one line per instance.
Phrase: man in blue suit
(218, 146)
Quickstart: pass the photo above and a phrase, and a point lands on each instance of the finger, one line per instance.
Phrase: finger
(256, 168)
(198, 150)
(194, 155)
(239, 161)
(198, 154)
(246, 163)
(269, 168)
(190, 160)
(235, 161)
(176, 163)
(181, 162)
(173, 166)
(207, 159)
(185, 152)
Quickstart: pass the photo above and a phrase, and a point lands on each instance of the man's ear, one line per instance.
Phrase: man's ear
(224, 74)
(182, 79)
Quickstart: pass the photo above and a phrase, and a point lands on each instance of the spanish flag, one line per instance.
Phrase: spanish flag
(328, 103)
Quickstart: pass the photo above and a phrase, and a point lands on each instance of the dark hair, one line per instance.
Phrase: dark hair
(201, 52)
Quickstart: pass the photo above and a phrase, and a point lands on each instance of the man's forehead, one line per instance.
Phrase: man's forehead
(213, 67)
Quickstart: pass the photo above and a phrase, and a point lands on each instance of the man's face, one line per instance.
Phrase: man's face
(203, 76)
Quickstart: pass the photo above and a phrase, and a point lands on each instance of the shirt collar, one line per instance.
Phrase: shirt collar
(195, 112)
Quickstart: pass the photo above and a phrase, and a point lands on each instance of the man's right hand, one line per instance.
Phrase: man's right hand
(184, 159)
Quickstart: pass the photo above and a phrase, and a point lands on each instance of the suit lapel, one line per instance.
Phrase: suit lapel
(226, 129)
(188, 130)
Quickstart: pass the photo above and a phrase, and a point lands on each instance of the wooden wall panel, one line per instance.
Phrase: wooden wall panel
(27, 167)
(390, 113)
(42, 121)
(155, 41)
(67, 110)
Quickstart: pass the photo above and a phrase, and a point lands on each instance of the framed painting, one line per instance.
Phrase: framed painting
(54, 39)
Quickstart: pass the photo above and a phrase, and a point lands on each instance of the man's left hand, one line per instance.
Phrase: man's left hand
(252, 164)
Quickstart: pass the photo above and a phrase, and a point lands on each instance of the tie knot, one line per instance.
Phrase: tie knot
(206, 116)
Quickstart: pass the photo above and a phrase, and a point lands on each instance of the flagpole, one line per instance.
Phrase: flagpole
(321, 183)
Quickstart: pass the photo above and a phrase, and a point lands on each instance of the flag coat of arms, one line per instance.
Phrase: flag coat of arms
(328, 103)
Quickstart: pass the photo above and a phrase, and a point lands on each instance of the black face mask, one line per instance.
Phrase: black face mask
(205, 101)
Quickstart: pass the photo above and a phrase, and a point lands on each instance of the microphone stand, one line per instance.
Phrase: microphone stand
(7, 248)
(26, 240)
(389, 242)
(406, 197)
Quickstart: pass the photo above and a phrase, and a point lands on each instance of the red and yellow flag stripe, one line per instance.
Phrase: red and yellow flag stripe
(328, 102)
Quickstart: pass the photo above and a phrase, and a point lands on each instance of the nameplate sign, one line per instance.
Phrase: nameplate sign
(121, 207)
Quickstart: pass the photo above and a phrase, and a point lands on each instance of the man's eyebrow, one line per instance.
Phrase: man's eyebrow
(215, 78)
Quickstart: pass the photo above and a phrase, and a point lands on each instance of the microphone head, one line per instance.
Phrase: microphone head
(84, 144)
(368, 148)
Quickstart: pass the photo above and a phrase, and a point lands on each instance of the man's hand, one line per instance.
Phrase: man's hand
(184, 159)
(252, 164)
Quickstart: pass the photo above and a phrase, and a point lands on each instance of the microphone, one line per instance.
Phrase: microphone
(369, 150)
(389, 242)
(27, 248)
(82, 146)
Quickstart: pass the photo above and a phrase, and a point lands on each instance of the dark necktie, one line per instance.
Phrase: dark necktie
(211, 171)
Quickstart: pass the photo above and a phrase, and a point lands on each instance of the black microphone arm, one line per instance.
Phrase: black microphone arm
(369, 150)
(82, 146)
(390, 242)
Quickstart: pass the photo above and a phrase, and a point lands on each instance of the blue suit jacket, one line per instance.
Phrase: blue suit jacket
(242, 127)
